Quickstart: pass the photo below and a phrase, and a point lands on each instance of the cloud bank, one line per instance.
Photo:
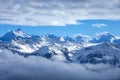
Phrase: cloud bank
(56, 12)
(15, 67)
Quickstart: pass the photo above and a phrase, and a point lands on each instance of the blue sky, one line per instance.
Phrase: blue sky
(60, 17)
(85, 27)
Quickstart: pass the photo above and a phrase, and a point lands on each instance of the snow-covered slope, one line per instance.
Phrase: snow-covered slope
(104, 48)
(50, 38)
(106, 53)
(117, 40)
(103, 37)
(78, 38)
(13, 34)
(17, 40)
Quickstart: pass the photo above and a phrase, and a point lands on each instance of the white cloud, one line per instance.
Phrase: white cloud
(99, 25)
(56, 12)
(16, 67)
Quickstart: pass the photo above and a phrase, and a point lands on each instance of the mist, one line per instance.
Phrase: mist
(16, 67)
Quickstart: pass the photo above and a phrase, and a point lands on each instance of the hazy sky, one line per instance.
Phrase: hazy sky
(60, 17)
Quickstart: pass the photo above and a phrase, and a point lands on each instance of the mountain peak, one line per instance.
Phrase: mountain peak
(103, 37)
(13, 34)
(103, 34)
(78, 38)
(19, 32)
(48, 35)
(19, 29)
(81, 37)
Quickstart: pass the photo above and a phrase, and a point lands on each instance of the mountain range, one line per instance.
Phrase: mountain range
(82, 49)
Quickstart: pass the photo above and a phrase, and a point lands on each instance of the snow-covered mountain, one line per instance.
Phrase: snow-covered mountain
(78, 38)
(17, 40)
(51, 38)
(104, 48)
(103, 37)
(106, 53)
(13, 34)
(116, 41)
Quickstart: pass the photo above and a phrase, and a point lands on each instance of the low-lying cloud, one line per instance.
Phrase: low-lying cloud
(15, 67)
(56, 12)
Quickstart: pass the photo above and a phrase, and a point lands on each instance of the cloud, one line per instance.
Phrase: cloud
(99, 25)
(56, 12)
(16, 67)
